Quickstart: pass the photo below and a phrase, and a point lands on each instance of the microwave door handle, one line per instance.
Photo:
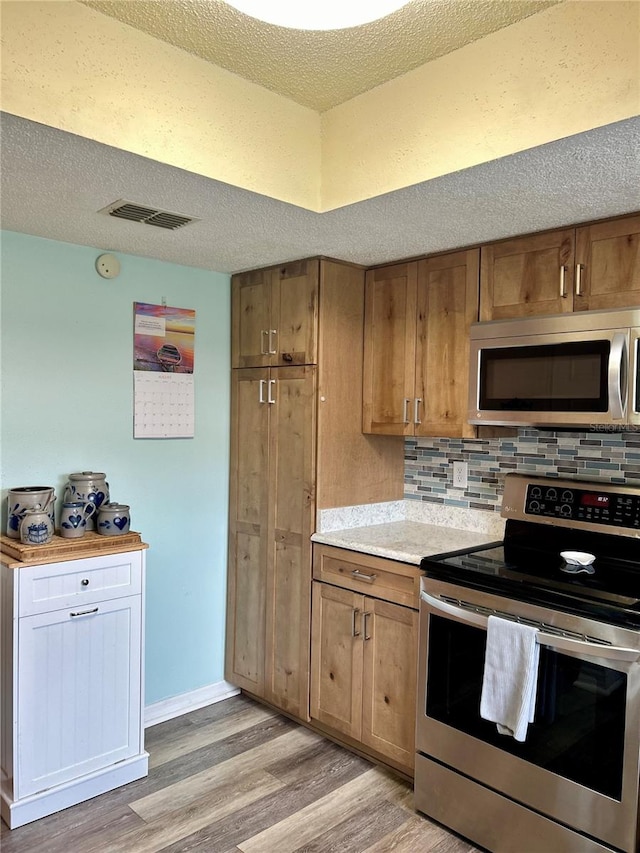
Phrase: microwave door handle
(634, 385)
(616, 376)
(553, 641)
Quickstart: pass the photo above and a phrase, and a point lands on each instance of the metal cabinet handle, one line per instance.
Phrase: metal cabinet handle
(416, 410)
(85, 582)
(354, 613)
(83, 613)
(263, 350)
(270, 398)
(405, 410)
(563, 282)
(579, 268)
(272, 351)
(363, 576)
(262, 383)
(364, 621)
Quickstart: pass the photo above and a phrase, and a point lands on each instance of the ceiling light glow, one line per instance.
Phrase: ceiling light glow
(317, 14)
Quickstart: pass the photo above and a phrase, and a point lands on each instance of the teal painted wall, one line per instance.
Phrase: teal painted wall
(66, 405)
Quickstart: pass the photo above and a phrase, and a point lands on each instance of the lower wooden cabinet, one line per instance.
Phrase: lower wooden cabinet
(363, 664)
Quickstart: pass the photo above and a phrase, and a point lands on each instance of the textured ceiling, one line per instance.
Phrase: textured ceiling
(319, 69)
(53, 184)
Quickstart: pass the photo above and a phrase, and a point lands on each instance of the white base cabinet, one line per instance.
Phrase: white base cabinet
(72, 682)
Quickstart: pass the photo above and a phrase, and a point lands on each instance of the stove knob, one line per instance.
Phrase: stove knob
(534, 506)
(565, 510)
(567, 496)
(551, 495)
(536, 492)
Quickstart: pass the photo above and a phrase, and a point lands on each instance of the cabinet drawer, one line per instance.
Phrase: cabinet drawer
(374, 576)
(76, 583)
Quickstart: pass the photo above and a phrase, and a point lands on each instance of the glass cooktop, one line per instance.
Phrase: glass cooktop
(527, 566)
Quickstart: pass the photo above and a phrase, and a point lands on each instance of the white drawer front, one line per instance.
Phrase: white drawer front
(78, 582)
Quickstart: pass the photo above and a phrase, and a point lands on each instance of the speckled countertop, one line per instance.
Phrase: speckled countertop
(410, 533)
(406, 541)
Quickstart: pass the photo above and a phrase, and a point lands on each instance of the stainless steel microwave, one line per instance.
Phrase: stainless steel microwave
(565, 370)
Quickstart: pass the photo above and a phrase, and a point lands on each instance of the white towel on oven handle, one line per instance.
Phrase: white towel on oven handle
(510, 676)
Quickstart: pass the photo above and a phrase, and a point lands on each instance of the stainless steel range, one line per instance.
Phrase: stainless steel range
(572, 785)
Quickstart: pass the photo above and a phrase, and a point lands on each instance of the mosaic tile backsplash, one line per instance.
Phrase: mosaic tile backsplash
(610, 457)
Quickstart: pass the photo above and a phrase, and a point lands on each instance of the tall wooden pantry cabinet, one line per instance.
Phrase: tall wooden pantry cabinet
(296, 447)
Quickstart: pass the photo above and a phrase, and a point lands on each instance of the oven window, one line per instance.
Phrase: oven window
(578, 732)
(569, 377)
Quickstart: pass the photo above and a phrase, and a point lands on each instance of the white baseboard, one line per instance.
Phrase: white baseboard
(174, 706)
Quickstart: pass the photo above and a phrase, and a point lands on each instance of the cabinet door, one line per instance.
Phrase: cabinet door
(336, 659)
(248, 492)
(250, 319)
(527, 276)
(294, 313)
(291, 523)
(389, 349)
(79, 692)
(390, 634)
(447, 305)
(608, 265)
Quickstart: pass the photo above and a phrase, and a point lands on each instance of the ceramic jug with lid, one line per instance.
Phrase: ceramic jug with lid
(87, 486)
(114, 519)
(36, 528)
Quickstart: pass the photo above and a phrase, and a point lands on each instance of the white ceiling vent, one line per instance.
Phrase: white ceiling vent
(147, 215)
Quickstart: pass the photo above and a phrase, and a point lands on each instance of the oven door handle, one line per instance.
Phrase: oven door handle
(553, 641)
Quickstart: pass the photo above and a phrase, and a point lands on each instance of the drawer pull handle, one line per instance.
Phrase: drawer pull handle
(85, 581)
(362, 576)
(84, 612)
(354, 613)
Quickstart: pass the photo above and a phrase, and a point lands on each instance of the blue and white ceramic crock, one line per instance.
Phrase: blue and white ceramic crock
(22, 498)
(87, 486)
(114, 519)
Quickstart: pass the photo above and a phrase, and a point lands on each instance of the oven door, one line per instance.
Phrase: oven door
(579, 763)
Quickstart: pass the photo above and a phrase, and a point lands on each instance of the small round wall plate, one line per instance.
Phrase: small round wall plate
(108, 266)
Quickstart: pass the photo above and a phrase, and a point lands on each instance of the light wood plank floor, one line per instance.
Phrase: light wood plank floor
(236, 777)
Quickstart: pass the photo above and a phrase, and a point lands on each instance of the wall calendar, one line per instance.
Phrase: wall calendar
(163, 371)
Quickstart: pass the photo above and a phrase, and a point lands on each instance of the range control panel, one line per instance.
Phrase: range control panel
(580, 504)
(592, 505)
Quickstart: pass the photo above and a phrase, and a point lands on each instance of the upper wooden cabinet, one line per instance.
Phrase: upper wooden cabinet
(591, 268)
(274, 315)
(416, 361)
(608, 265)
(389, 349)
